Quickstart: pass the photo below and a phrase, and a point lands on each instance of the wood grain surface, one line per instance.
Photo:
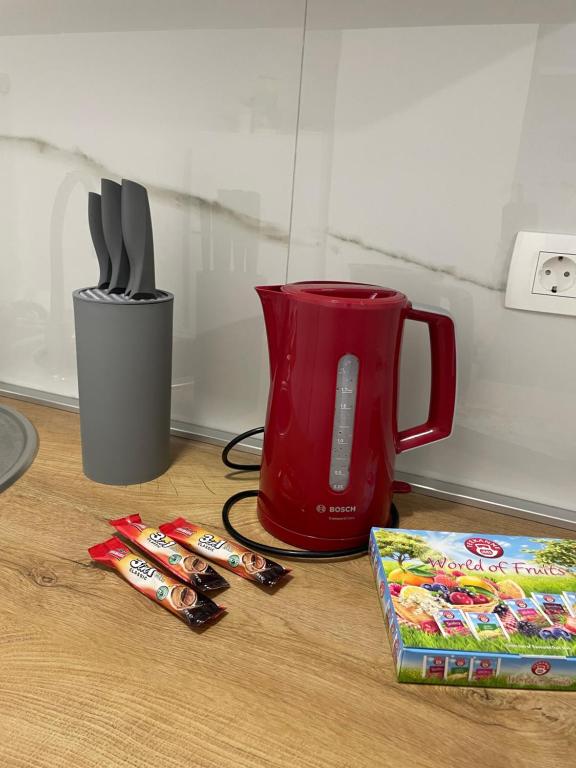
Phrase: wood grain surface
(93, 675)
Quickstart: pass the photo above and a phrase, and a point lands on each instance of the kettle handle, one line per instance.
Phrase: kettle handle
(443, 390)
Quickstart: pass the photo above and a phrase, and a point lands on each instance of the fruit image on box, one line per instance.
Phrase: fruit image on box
(486, 610)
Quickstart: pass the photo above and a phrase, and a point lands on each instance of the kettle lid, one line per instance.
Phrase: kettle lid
(333, 293)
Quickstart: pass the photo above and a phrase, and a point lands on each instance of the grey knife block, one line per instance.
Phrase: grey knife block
(124, 358)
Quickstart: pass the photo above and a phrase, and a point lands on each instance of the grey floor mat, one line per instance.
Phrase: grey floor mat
(18, 445)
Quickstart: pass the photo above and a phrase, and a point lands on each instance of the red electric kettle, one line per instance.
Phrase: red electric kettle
(331, 436)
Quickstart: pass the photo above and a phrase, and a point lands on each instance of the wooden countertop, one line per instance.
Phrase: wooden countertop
(93, 675)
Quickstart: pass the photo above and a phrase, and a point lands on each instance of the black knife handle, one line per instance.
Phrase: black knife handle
(112, 228)
(97, 233)
(137, 235)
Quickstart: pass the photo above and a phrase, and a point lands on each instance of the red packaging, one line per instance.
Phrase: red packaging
(191, 606)
(173, 557)
(227, 553)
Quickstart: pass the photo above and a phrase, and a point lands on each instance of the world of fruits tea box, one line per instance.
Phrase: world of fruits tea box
(480, 610)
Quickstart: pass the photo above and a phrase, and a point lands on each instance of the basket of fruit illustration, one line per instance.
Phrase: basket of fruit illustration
(419, 592)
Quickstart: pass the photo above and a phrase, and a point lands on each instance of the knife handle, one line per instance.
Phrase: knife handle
(112, 228)
(138, 238)
(95, 224)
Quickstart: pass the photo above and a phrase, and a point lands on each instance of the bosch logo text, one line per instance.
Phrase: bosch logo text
(332, 510)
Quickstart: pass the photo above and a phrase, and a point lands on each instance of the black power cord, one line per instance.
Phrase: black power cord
(268, 548)
(233, 443)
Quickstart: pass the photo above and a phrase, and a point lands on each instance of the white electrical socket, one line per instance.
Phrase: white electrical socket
(542, 276)
(555, 274)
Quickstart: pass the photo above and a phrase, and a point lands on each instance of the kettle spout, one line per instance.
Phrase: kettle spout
(274, 305)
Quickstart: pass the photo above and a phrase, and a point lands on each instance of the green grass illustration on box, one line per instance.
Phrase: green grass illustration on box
(471, 609)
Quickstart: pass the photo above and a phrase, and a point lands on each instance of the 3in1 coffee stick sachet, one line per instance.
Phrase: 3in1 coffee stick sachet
(173, 557)
(192, 607)
(224, 552)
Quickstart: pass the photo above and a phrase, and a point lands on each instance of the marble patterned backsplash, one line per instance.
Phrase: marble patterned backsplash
(206, 119)
(430, 147)
(319, 139)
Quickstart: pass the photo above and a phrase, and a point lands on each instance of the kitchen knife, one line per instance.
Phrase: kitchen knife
(112, 228)
(137, 235)
(95, 224)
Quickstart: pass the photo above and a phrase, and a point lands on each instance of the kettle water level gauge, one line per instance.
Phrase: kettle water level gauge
(343, 428)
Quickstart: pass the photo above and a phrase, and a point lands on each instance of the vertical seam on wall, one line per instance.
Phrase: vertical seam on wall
(298, 109)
